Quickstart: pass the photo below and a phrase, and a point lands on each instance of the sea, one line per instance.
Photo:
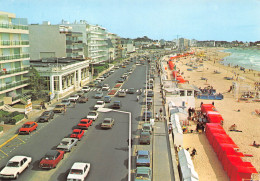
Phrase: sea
(248, 58)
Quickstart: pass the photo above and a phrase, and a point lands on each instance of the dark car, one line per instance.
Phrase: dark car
(107, 99)
(80, 93)
(131, 91)
(120, 80)
(116, 105)
(46, 116)
(145, 138)
(83, 99)
(100, 85)
(150, 94)
(147, 114)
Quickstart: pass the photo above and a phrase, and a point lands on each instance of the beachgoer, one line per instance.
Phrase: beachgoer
(193, 153)
(156, 116)
(170, 128)
(233, 127)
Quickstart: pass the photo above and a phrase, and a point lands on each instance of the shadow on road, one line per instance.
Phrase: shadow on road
(35, 166)
(63, 176)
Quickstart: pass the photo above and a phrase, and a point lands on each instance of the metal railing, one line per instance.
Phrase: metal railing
(14, 26)
(15, 84)
(12, 71)
(14, 42)
(13, 57)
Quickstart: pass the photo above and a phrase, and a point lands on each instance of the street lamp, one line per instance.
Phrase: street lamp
(104, 110)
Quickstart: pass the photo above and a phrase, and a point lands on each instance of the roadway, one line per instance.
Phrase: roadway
(105, 150)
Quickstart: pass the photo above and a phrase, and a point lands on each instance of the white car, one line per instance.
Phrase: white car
(99, 104)
(105, 87)
(121, 93)
(74, 98)
(112, 71)
(101, 78)
(15, 166)
(86, 88)
(78, 171)
(92, 115)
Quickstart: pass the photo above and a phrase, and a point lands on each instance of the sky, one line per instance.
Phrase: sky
(222, 20)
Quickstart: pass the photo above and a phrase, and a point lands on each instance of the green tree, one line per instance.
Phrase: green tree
(37, 84)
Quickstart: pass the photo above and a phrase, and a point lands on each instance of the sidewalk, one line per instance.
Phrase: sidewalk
(164, 163)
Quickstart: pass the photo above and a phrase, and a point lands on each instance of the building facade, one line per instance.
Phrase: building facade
(58, 41)
(14, 57)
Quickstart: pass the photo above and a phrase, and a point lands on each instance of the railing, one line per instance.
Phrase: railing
(14, 71)
(14, 26)
(11, 85)
(13, 57)
(14, 42)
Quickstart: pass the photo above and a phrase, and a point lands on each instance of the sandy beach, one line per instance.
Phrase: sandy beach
(206, 162)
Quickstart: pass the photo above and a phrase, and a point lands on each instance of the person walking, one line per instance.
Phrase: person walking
(160, 111)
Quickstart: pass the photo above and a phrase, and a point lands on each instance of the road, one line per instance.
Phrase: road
(106, 150)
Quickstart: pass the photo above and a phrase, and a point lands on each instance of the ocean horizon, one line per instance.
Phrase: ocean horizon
(248, 58)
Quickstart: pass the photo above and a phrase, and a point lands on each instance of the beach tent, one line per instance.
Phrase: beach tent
(171, 105)
(176, 130)
(240, 173)
(220, 138)
(188, 173)
(214, 117)
(207, 107)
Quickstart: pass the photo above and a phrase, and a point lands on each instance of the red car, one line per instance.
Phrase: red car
(51, 159)
(77, 133)
(28, 127)
(85, 123)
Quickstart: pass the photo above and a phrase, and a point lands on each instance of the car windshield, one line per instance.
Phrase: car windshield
(73, 96)
(76, 171)
(142, 156)
(92, 114)
(142, 176)
(83, 122)
(26, 126)
(64, 143)
(99, 103)
(146, 127)
(12, 164)
(65, 101)
(85, 87)
(59, 106)
(75, 132)
(49, 157)
(106, 121)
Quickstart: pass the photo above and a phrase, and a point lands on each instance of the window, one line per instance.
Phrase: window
(189, 93)
(182, 93)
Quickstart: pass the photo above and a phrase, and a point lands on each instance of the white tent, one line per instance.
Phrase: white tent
(186, 166)
(177, 130)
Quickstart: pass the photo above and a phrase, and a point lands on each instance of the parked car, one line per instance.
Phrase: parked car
(120, 80)
(131, 91)
(107, 123)
(101, 78)
(93, 115)
(80, 93)
(149, 101)
(116, 105)
(107, 99)
(143, 173)
(149, 93)
(143, 158)
(99, 95)
(46, 116)
(100, 85)
(51, 159)
(66, 144)
(121, 93)
(79, 171)
(83, 99)
(112, 71)
(91, 84)
(116, 67)
(15, 166)
(28, 127)
(147, 127)
(149, 86)
(86, 88)
(145, 138)
(74, 98)
(147, 114)
(99, 104)
(59, 108)
(105, 87)
(65, 102)
(77, 133)
(84, 123)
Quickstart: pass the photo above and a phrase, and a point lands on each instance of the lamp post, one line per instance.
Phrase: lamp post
(129, 135)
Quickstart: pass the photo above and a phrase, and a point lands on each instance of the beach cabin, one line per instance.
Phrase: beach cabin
(176, 130)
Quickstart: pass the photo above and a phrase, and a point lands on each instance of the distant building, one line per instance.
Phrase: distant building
(14, 58)
(54, 41)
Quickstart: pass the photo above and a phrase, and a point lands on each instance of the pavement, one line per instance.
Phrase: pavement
(164, 158)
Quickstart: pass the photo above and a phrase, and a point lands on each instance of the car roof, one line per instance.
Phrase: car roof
(144, 133)
(52, 153)
(76, 130)
(143, 152)
(17, 158)
(84, 120)
(117, 101)
(67, 139)
(108, 119)
(143, 169)
(146, 124)
(78, 165)
(100, 101)
(107, 97)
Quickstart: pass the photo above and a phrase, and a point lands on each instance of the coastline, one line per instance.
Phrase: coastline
(206, 162)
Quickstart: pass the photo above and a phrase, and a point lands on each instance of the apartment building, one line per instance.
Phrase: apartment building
(94, 40)
(14, 57)
(58, 41)
(116, 43)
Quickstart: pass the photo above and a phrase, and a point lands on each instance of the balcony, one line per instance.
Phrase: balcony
(13, 86)
(5, 58)
(14, 26)
(8, 73)
(13, 43)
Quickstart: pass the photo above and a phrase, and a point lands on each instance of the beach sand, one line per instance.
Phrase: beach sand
(206, 162)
